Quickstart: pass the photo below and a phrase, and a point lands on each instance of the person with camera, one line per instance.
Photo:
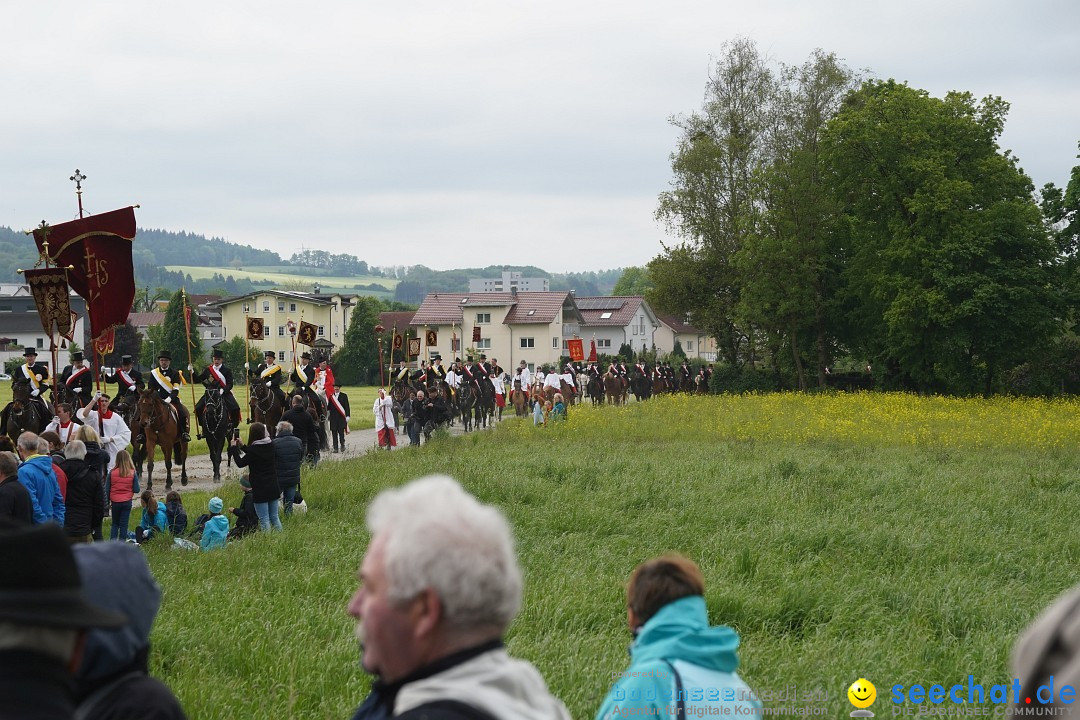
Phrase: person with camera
(258, 457)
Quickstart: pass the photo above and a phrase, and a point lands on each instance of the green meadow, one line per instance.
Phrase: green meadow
(281, 275)
(903, 560)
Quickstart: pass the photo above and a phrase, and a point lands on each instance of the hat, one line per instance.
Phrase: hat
(125, 359)
(29, 351)
(76, 356)
(219, 354)
(165, 354)
(215, 505)
(457, 359)
(305, 356)
(483, 356)
(245, 482)
(40, 584)
(437, 357)
(270, 353)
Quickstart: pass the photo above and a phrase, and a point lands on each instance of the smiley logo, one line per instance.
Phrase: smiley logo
(862, 693)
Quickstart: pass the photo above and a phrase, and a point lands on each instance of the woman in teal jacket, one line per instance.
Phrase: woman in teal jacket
(679, 665)
(153, 521)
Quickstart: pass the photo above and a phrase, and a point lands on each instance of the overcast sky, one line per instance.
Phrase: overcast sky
(453, 133)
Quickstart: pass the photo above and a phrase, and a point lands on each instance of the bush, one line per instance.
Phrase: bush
(741, 380)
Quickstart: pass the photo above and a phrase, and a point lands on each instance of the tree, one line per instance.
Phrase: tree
(128, 342)
(152, 343)
(678, 351)
(174, 335)
(633, 281)
(948, 266)
(233, 351)
(358, 359)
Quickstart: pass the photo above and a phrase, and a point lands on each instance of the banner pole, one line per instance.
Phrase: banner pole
(187, 337)
(247, 365)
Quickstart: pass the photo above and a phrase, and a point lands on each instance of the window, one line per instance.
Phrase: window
(247, 308)
(689, 344)
(266, 306)
(321, 333)
(635, 329)
(555, 343)
(483, 318)
(281, 330)
(266, 331)
(528, 342)
(41, 343)
(292, 307)
(484, 344)
(5, 308)
(605, 316)
(281, 356)
(603, 343)
(281, 306)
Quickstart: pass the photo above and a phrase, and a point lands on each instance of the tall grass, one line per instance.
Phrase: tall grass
(842, 538)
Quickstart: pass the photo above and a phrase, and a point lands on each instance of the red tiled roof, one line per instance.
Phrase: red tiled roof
(544, 306)
(621, 314)
(146, 319)
(446, 308)
(676, 323)
(399, 320)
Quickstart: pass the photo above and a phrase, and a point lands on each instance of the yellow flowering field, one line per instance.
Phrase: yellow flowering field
(880, 419)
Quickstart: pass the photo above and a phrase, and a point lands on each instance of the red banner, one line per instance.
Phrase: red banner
(476, 334)
(576, 350)
(99, 249)
(592, 351)
(50, 290)
(106, 342)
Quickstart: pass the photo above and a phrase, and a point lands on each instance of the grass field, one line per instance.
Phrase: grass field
(277, 276)
(891, 537)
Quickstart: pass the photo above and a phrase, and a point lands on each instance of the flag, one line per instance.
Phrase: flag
(71, 334)
(106, 342)
(577, 353)
(592, 351)
(414, 347)
(50, 290)
(432, 338)
(308, 333)
(99, 249)
(187, 319)
(398, 340)
(476, 334)
(454, 343)
(254, 328)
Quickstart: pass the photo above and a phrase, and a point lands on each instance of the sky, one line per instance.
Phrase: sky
(453, 133)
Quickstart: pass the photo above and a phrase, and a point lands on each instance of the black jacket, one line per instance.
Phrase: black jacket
(288, 455)
(207, 377)
(85, 498)
(35, 686)
(246, 518)
(15, 503)
(303, 427)
(337, 420)
(259, 460)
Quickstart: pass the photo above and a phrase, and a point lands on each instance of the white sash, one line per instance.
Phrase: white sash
(217, 374)
(163, 380)
(337, 404)
(270, 370)
(126, 378)
(76, 374)
(30, 375)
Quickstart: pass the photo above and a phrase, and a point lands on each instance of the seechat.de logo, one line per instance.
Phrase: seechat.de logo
(862, 695)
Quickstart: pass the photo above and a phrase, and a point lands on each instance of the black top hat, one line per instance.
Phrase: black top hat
(305, 356)
(483, 356)
(457, 359)
(165, 354)
(436, 357)
(219, 354)
(76, 356)
(125, 359)
(270, 353)
(29, 351)
(40, 584)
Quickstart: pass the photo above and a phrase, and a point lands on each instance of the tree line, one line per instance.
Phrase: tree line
(823, 218)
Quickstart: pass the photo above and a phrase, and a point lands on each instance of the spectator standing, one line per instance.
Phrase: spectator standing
(121, 487)
(37, 476)
(258, 457)
(303, 428)
(288, 457)
(86, 497)
(15, 502)
(56, 452)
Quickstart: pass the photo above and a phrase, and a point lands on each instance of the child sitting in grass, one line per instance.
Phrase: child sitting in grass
(547, 412)
(246, 519)
(538, 412)
(216, 529)
(558, 412)
(175, 515)
(153, 517)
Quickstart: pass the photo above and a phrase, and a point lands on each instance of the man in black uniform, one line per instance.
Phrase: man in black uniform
(684, 374)
(338, 412)
(37, 375)
(303, 428)
(303, 378)
(167, 381)
(127, 381)
(217, 377)
(438, 372)
(271, 373)
(77, 381)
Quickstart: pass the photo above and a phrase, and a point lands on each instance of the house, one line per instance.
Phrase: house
(510, 281)
(329, 312)
(511, 326)
(20, 325)
(617, 320)
(696, 343)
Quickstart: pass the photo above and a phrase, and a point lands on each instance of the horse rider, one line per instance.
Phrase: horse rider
(303, 378)
(127, 380)
(453, 380)
(217, 377)
(484, 365)
(684, 373)
(37, 376)
(401, 374)
(270, 372)
(78, 380)
(324, 378)
(526, 377)
(438, 372)
(167, 381)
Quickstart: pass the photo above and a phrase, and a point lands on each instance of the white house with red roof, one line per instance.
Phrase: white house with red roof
(617, 320)
(696, 343)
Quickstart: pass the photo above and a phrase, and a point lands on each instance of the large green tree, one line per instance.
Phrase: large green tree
(633, 281)
(233, 351)
(357, 362)
(947, 263)
(175, 339)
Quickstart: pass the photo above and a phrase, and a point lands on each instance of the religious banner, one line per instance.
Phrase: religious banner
(106, 342)
(476, 334)
(592, 351)
(398, 340)
(254, 328)
(414, 347)
(98, 247)
(432, 338)
(71, 334)
(50, 290)
(308, 333)
(576, 350)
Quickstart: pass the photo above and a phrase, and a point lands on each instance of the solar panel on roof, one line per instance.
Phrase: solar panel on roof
(601, 303)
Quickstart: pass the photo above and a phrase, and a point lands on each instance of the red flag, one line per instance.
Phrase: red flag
(106, 342)
(476, 333)
(592, 351)
(187, 320)
(99, 249)
(577, 352)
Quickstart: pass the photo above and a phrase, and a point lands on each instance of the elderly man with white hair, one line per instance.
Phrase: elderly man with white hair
(440, 584)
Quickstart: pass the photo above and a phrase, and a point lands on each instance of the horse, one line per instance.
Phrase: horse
(519, 400)
(466, 404)
(613, 389)
(640, 386)
(265, 407)
(686, 383)
(64, 394)
(217, 427)
(160, 426)
(659, 385)
(485, 405)
(595, 390)
(25, 413)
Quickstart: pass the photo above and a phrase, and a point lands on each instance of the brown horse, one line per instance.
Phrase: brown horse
(265, 407)
(25, 412)
(569, 392)
(520, 401)
(613, 389)
(160, 427)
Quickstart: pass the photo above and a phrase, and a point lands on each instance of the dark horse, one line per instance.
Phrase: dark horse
(74, 399)
(159, 426)
(265, 407)
(595, 389)
(26, 413)
(466, 403)
(216, 426)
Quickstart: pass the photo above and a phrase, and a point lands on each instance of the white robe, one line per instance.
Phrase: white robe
(384, 416)
(115, 434)
(66, 434)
